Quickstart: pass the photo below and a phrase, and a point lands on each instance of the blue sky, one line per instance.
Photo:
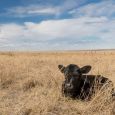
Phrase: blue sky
(57, 24)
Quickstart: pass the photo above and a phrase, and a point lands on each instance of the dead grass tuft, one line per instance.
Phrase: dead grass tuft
(6, 84)
(102, 102)
(25, 112)
(31, 84)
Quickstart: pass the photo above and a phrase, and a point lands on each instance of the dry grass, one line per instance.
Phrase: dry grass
(30, 83)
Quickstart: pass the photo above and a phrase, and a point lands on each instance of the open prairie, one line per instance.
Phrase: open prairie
(30, 83)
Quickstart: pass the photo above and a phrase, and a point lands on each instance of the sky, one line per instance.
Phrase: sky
(40, 25)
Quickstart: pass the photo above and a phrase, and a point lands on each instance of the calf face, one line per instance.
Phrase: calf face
(73, 76)
(77, 85)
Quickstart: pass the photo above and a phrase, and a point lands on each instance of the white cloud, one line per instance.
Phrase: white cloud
(31, 10)
(104, 8)
(43, 9)
(84, 32)
(9, 31)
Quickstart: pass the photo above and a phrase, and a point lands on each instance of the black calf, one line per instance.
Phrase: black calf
(77, 85)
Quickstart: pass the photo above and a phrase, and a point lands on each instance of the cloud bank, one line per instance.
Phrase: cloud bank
(77, 33)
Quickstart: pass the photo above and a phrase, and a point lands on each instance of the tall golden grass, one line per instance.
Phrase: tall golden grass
(30, 83)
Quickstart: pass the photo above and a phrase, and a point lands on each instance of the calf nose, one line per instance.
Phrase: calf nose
(68, 84)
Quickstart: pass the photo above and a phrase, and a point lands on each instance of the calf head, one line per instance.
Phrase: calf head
(72, 73)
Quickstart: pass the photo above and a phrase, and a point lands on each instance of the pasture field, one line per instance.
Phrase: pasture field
(30, 83)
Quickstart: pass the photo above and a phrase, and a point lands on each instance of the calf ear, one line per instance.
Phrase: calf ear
(61, 68)
(85, 69)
